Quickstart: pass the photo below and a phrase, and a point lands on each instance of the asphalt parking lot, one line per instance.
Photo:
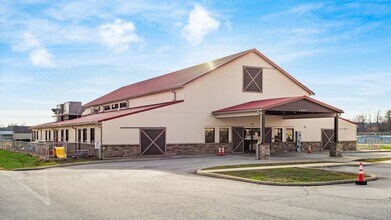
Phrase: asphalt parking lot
(170, 189)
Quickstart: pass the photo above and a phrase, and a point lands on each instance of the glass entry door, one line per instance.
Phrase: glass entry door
(251, 137)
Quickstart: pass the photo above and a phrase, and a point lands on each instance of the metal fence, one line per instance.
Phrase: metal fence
(39, 149)
(374, 140)
(44, 150)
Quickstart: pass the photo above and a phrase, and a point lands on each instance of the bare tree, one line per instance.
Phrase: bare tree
(379, 118)
(387, 120)
(361, 119)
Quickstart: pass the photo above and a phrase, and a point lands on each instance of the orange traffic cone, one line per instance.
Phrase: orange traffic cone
(222, 151)
(309, 150)
(360, 180)
(219, 151)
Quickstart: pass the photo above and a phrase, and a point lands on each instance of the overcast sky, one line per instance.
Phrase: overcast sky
(58, 51)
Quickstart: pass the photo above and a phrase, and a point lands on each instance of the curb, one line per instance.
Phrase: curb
(103, 161)
(368, 151)
(371, 177)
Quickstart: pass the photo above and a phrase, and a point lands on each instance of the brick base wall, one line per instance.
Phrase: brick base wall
(315, 146)
(349, 145)
(109, 151)
(196, 149)
(199, 149)
(90, 148)
(282, 147)
(120, 151)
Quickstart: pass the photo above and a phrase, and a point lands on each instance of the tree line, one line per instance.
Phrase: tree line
(373, 121)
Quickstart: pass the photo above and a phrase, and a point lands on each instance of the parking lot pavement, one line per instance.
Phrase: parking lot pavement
(169, 189)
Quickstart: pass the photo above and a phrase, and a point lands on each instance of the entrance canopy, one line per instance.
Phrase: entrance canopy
(288, 107)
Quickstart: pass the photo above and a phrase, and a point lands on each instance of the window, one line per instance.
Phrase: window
(277, 134)
(223, 135)
(50, 135)
(114, 106)
(85, 135)
(66, 135)
(107, 107)
(62, 134)
(55, 135)
(123, 105)
(46, 135)
(209, 135)
(95, 109)
(92, 135)
(252, 79)
(289, 134)
(79, 135)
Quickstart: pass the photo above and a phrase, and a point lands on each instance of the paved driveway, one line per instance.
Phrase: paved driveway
(169, 189)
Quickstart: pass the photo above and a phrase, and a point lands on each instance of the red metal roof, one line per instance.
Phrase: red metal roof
(347, 120)
(177, 79)
(105, 116)
(270, 103)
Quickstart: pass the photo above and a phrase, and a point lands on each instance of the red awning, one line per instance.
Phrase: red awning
(272, 104)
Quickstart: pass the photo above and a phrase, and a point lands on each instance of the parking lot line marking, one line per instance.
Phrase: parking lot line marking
(46, 201)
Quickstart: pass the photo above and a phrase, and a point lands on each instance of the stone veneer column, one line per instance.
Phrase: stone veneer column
(263, 152)
(336, 150)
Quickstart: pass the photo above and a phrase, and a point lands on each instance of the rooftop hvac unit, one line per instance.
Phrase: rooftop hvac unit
(95, 109)
(60, 108)
(72, 108)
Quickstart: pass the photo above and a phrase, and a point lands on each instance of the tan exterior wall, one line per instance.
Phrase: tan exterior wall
(185, 122)
(180, 130)
(157, 98)
(72, 133)
(167, 96)
(311, 128)
(223, 87)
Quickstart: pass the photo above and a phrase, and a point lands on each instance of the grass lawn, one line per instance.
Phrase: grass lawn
(375, 159)
(13, 160)
(291, 175)
(386, 147)
(370, 147)
(262, 165)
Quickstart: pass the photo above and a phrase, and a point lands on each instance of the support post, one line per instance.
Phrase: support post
(262, 127)
(336, 129)
(336, 149)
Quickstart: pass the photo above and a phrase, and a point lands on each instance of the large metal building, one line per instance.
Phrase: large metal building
(235, 102)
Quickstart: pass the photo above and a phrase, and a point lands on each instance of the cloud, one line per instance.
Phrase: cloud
(19, 117)
(367, 84)
(200, 24)
(28, 42)
(163, 49)
(41, 57)
(118, 35)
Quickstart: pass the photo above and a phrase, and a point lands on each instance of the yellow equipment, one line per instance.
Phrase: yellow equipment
(59, 152)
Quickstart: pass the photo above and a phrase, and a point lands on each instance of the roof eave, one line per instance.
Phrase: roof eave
(132, 97)
(310, 92)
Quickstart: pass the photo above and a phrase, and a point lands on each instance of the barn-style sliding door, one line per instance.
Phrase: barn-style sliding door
(238, 139)
(153, 141)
